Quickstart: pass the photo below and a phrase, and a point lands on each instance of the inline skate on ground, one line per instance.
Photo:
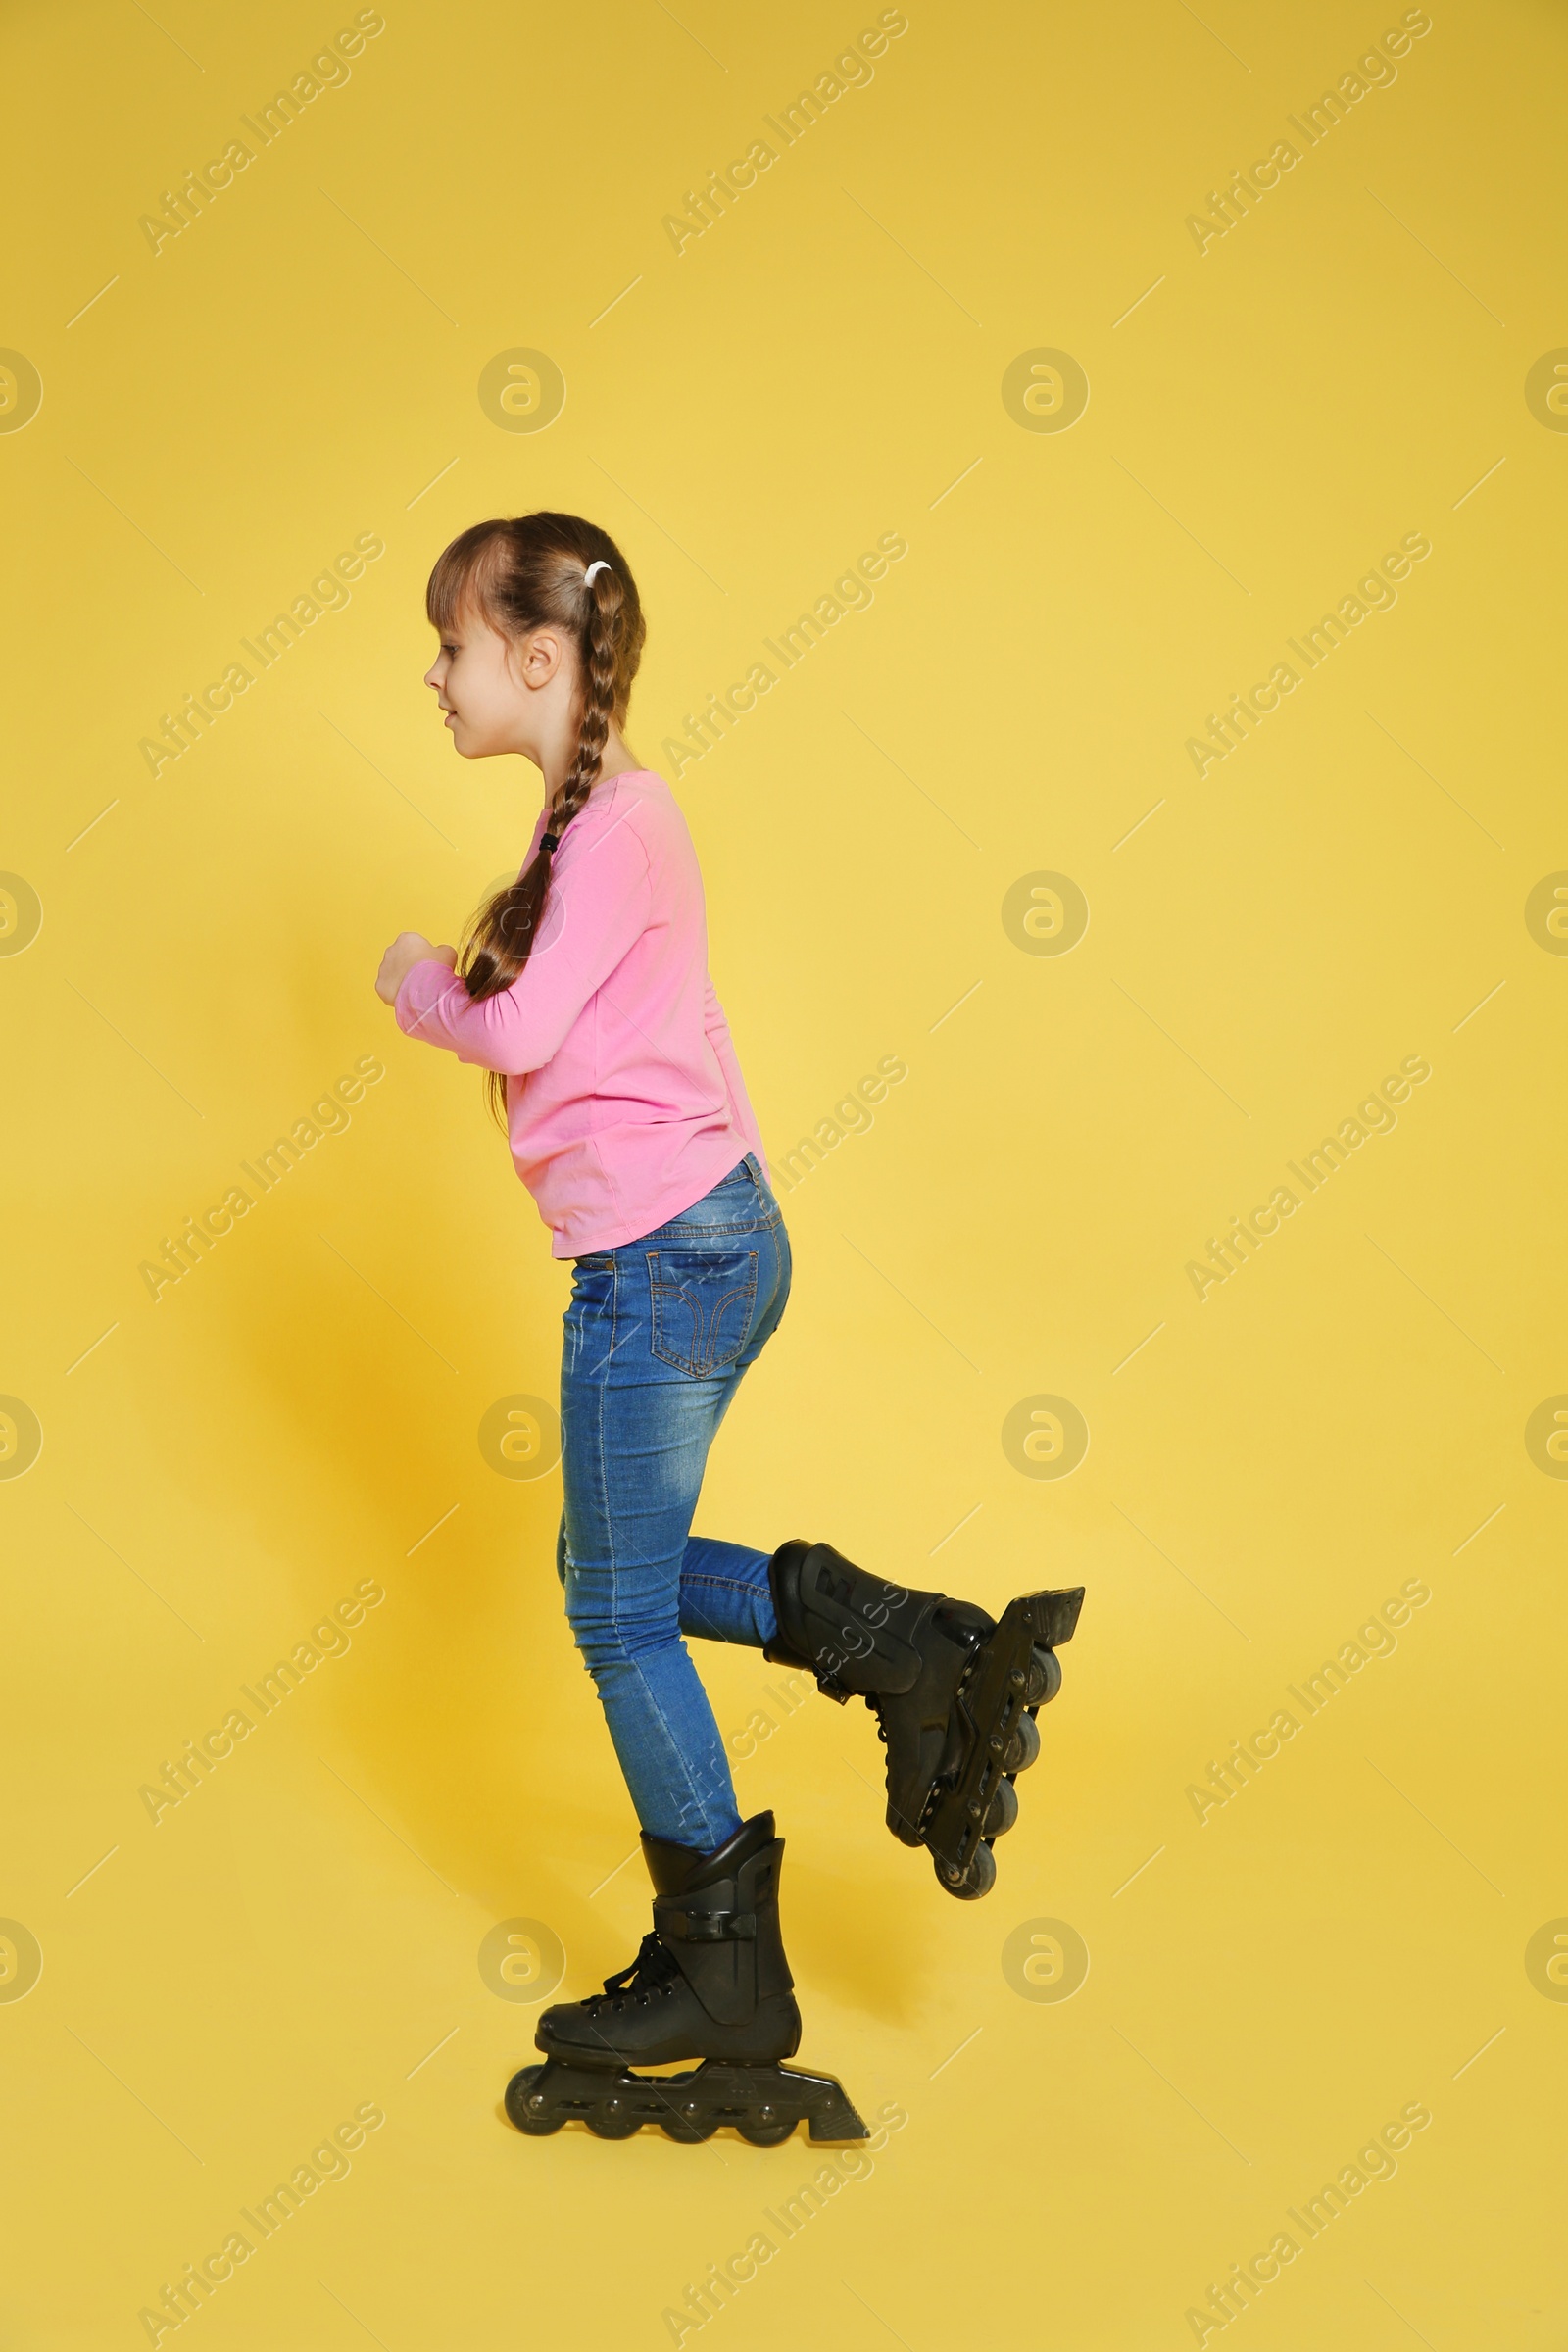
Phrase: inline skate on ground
(710, 1983)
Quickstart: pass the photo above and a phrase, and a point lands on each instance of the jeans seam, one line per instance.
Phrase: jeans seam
(678, 1235)
(614, 1324)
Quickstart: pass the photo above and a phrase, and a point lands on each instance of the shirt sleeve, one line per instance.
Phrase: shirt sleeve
(719, 1037)
(597, 906)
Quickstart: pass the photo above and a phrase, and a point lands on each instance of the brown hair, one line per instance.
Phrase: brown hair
(518, 575)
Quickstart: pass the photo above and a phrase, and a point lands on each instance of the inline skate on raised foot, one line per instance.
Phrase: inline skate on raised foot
(710, 1983)
(954, 1693)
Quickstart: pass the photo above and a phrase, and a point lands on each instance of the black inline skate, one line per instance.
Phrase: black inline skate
(954, 1693)
(712, 1983)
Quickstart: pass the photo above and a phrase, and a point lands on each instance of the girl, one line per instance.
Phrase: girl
(583, 993)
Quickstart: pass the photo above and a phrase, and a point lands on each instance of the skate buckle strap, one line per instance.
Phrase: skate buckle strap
(708, 1927)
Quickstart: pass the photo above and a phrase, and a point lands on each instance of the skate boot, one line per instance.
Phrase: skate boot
(953, 1691)
(712, 1983)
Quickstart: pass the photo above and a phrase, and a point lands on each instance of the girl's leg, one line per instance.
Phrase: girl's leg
(641, 1399)
(725, 1592)
(633, 1464)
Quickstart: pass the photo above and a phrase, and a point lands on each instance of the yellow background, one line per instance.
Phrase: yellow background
(294, 1417)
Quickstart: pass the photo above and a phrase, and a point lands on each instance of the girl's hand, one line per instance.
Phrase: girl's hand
(407, 950)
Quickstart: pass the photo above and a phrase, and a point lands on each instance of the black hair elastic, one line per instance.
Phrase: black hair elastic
(549, 841)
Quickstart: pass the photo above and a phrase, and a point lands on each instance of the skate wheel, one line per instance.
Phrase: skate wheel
(767, 2128)
(1044, 1679)
(1023, 1746)
(977, 1877)
(609, 2119)
(688, 2123)
(528, 2108)
(1003, 1811)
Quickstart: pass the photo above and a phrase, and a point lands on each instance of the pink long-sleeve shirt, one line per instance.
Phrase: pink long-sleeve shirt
(625, 1099)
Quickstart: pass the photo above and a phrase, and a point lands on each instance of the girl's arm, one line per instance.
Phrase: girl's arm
(597, 909)
(719, 1037)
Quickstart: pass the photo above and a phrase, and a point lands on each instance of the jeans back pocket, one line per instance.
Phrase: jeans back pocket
(700, 1304)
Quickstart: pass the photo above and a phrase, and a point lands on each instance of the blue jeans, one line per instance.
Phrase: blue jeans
(658, 1335)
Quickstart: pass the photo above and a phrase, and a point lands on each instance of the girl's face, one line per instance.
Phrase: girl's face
(500, 695)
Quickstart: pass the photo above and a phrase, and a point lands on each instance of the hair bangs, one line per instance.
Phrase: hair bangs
(466, 577)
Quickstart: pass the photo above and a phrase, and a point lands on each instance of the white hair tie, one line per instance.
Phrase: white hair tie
(588, 575)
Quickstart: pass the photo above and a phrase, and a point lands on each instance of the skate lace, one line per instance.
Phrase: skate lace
(655, 1967)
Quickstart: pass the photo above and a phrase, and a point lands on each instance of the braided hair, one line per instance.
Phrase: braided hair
(519, 575)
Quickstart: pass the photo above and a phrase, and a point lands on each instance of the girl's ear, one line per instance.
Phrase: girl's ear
(540, 657)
